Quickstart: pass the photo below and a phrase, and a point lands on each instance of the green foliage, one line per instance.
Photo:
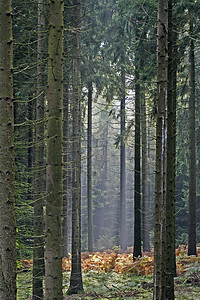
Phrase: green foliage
(114, 286)
(24, 285)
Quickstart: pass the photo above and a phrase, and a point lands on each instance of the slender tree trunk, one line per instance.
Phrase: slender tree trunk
(122, 235)
(161, 153)
(30, 156)
(192, 163)
(89, 170)
(145, 198)
(137, 196)
(104, 221)
(38, 251)
(102, 216)
(76, 284)
(7, 210)
(53, 269)
(66, 167)
(171, 162)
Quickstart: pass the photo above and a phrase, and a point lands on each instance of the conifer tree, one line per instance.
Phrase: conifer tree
(161, 152)
(76, 284)
(171, 157)
(7, 209)
(89, 169)
(53, 268)
(192, 151)
(38, 251)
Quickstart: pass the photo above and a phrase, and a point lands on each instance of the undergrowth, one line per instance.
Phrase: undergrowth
(112, 285)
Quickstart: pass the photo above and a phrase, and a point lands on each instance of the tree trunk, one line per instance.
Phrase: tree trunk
(53, 270)
(192, 161)
(137, 197)
(89, 170)
(161, 152)
(7, 211)
(66, 167)
(38, 250)
(145, 198)
(171, 161)
(30, 150)
(122, 234)
(76, 284)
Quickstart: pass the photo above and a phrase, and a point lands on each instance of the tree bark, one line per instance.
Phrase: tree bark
(38, 250)
(192, 162)
(171, 160)
(145, 198)
(53, 269)
(122, 235)
(76, 284)
(161, 152)
(137, 196)
(89, 170)
(7, 203)
(66, 167)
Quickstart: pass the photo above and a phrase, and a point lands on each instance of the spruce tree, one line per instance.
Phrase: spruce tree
(7, 203)
(192, 151)
(161, 152)
(38, 250)
(53, 268)
(76, 284)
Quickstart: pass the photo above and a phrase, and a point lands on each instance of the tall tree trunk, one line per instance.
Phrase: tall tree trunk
(30, 156)
(101, 219)
(122, 235)
(66, 167)
(7, 210)
(137, 196)
(53, 270)
(161, 152)
(76, 284)
(38, 250)
(89, 170)
(171, 160)
(145, 198)
(192, 161)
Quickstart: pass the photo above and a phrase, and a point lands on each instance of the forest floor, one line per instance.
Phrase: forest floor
(114, 275)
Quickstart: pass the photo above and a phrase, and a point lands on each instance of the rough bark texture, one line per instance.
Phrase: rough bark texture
(7, 212)
(53, 269)
(38, 251)
(137, 196)
(122, 234)
(89, 170)
(192, 161)
(161, 152)
(171, 162)
(76, 284)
